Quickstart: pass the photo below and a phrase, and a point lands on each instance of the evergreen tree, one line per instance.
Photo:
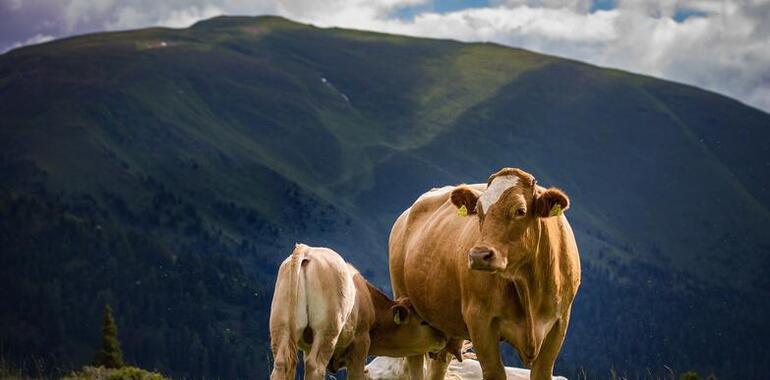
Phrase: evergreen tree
(110, 355)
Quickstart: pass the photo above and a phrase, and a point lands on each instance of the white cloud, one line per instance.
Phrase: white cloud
(128, 17)
(36, 39)
(577, 5)
(77, 12)
(186, 17)
(724, 46)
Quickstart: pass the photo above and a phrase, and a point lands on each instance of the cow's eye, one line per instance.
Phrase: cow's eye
(521, 211)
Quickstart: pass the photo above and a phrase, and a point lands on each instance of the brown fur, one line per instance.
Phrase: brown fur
(522, 295)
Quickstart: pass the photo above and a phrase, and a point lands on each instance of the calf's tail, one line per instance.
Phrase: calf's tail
(285, 352)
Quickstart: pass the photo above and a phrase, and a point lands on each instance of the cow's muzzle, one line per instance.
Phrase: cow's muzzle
(482, 258)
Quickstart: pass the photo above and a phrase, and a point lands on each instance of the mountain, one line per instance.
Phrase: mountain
(168, 172)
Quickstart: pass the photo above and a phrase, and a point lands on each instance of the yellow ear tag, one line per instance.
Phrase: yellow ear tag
(462, 211)
(555, 210)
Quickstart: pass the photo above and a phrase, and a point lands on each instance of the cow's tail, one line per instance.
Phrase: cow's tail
(286, 352)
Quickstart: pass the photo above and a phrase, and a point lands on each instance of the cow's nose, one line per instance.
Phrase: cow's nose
(484, 255)
(481, 256)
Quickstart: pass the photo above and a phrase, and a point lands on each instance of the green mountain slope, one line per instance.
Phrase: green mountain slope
(203, 154)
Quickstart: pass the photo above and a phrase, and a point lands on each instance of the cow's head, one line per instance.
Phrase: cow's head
(509, 211)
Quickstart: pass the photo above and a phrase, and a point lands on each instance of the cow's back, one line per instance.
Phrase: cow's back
(408, 225)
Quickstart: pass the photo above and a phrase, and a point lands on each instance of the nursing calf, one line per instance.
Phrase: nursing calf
(324, 307)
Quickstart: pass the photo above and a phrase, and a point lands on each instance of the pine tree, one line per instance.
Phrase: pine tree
(110, 355)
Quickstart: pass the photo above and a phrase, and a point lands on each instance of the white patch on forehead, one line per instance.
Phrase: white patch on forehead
(496, 189)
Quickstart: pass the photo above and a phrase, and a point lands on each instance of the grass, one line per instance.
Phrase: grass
(125, 373)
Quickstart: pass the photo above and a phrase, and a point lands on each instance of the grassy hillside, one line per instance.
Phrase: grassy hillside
(203, 154)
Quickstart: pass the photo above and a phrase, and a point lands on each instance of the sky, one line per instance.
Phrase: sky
(719, 45)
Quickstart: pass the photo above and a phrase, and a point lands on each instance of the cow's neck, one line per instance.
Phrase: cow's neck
(535, 286)
(539, 275)
(382, 304)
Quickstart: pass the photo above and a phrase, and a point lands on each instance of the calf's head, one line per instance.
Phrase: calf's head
(401, 332)
(509, 212)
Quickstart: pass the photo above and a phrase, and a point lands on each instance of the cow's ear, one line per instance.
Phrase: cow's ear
(551, 202)
(463, 196)
(400, 314)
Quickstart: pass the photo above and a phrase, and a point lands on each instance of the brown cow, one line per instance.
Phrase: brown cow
(490, 262)
(323, 306)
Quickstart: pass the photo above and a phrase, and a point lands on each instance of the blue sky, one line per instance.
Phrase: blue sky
(408, 12)
(720, 45)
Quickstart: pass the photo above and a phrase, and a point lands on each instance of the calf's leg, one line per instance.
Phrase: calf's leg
(319, 355)
(415, 367)
(284, 359)
(356, 358)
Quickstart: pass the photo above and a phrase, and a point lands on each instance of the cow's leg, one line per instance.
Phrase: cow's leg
(317, 359)
(486, 343)
(437, 367)
(415, 367)
(284, 358)
(542, 367)
(356, 362)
